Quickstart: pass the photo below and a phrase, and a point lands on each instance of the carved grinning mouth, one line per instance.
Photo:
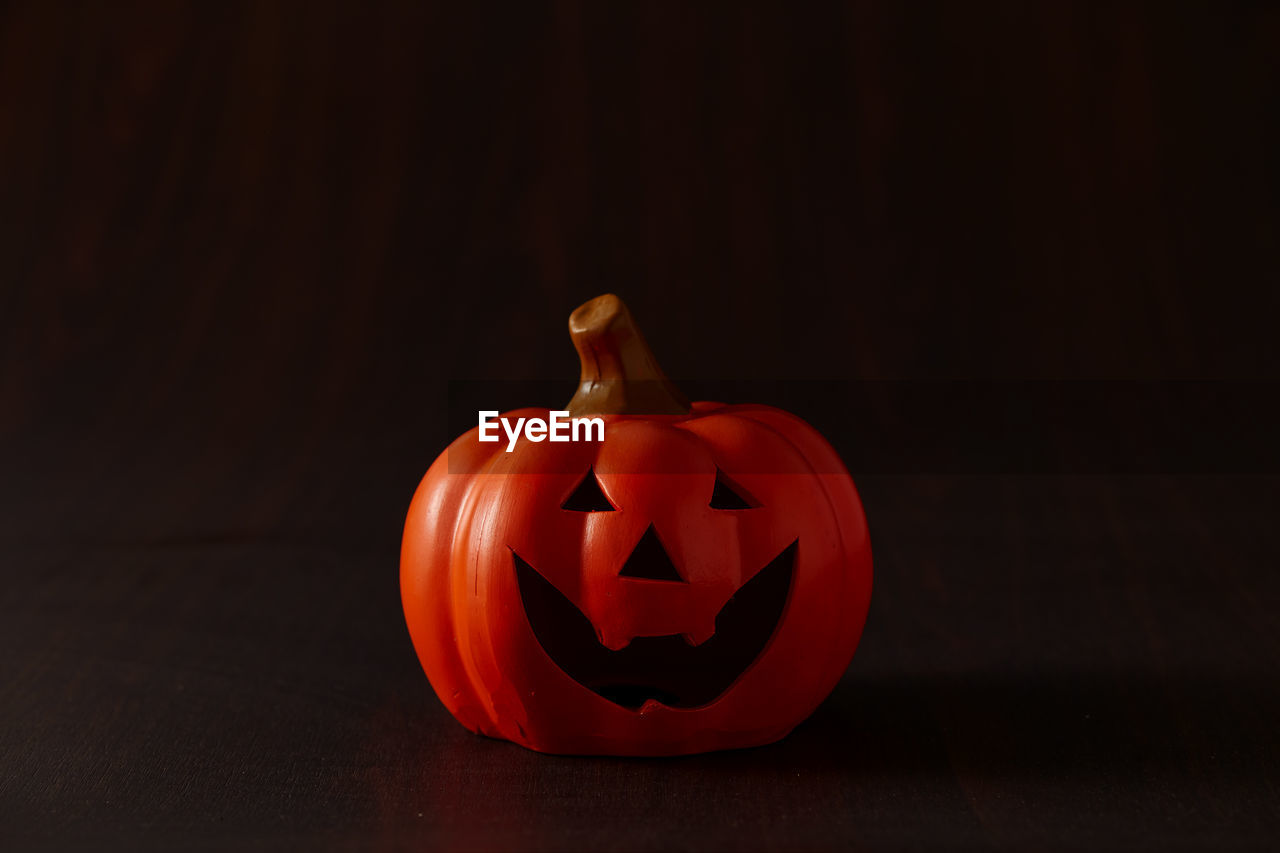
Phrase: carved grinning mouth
(668, 669)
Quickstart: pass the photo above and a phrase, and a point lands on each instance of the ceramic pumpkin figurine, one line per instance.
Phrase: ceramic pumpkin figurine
(697, 580)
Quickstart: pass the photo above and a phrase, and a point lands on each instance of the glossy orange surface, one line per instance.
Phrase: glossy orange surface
(486, 527)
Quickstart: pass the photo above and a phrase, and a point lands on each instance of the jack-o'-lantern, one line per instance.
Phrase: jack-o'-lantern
(696, 580)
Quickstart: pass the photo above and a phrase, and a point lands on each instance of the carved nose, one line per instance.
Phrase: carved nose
(649, 560)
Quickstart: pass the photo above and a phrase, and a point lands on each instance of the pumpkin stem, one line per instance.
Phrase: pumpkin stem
(620, 376)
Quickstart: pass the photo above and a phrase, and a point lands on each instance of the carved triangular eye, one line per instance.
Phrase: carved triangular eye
(588, 497)
(724, 496)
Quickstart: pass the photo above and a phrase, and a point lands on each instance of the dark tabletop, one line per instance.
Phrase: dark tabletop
(1017, 262)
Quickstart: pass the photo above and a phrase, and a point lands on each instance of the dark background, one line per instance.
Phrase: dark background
(244, 247)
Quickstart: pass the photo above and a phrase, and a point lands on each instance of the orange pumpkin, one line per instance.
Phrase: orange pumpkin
(697, 580)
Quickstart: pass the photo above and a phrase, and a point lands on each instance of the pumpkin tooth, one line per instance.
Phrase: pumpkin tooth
(613, 644)
(700, 636)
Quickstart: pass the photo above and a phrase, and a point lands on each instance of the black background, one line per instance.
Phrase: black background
(245, 247)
